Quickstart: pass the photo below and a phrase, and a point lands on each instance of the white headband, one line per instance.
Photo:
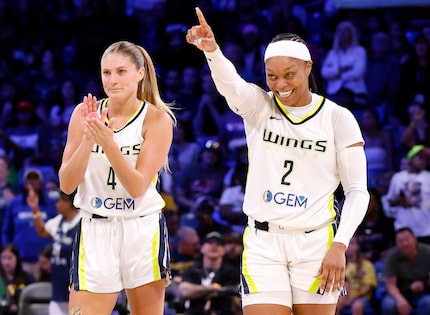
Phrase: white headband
(287, 48)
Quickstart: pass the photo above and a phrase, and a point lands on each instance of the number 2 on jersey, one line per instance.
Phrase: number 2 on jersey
(111, 178)
(288, 165)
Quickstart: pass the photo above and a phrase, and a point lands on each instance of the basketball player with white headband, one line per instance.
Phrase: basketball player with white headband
(301, 147)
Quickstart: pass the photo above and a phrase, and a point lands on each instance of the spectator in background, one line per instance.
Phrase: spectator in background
(209, 285)
(203, 179)
(232, 197)
(345, 63)
(45, 267)
(406, 275)
(28, 132)
(171, 85)
(14, 277)
(62, 229)
(9, 94)
(407, 199)
(417, 130)
(236, 54)
(233, 246)
(182, 256)
(383, 90)
(415, 72)
(61, 112)
(206, 222)
(7, 190)
(173, 225)
(253, 49)
(185, 253)
(150, 16)
(360, 282)
(399, 43)
(18, 227)
(207, 122)
(45, 82)
(11, 150)
(189, 93)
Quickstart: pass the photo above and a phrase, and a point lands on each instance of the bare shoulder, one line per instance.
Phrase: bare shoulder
(157, 115)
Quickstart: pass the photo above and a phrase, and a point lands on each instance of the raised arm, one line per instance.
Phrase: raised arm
(201, 35)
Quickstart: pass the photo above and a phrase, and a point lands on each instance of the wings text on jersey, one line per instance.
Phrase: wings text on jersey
(305, 144)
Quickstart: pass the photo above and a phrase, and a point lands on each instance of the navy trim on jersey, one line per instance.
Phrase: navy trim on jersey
(313, 112)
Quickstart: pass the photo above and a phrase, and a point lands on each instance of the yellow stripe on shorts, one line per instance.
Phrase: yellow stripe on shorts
(81, 270)
(247, 279)
(155, 250)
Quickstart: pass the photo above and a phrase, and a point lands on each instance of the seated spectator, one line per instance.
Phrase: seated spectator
(360, 282)
(45, 269)
(233, 246)
(182, 256)
(14, 277)
(406, 275)
(407, 199)
(210, 285)
(185, 253)
(417, 129)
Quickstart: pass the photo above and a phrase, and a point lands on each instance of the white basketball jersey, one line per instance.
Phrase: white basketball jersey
(292, 161)
(101, 192)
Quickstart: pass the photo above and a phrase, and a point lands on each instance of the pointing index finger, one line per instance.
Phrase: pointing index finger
(201, 17)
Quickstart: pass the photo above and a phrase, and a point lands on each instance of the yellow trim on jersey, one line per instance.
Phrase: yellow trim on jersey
(251, 284)
(155, 250)
(136, 113)
(315, 285)
(307, 116)
(81, 264)
(331, 228)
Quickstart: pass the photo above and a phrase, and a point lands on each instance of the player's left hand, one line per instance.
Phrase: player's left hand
(332, 270)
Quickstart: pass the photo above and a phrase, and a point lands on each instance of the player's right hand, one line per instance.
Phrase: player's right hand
(201, 35)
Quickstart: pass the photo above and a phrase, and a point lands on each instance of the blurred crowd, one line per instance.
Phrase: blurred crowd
(376, 62)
